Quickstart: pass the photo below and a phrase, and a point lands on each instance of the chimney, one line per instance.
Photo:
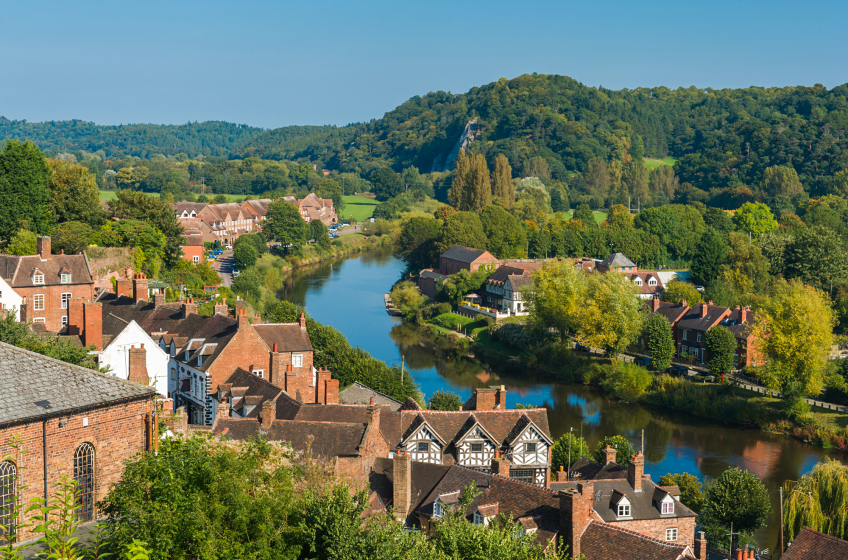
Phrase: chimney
(268, 414)
(374, 414)
(93, 330)
(223, 409)
(575, 511)
(239, 305)
(655, 302)
(500, 398)
(189, 307)
(485, 398)
(684, 303)
(500, 465)
(402, 478)
(24, 311)
(332, 391)
(561, 475)
(275, 371)
(76, 317)
(221, 308)
(140, 292)
(257, 319)
(158, 300)
(743, 314)
(609, 454)
(122, 287)
(323, 375)
(42, 247)
(138, 365)
(302, 321)
(242, 320)
(635, 471)
(701, 546)
(703, 309)
(740, 555)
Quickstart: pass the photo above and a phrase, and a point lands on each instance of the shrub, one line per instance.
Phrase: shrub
(513, 334)
(444, 400)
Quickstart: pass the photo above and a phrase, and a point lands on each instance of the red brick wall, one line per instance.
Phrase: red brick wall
(117, 433)
(53, 312)
(191, 251)
(655, 528)
(246, 350)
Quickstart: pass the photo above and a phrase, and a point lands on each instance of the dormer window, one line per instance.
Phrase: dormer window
(652, 282)
(667, 507)
(38, 279)
(439, 509)
(65, 278)
(623, 509)
(479, 519)
(199, 361)
(638, 281)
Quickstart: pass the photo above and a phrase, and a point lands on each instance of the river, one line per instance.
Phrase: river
(348, 294)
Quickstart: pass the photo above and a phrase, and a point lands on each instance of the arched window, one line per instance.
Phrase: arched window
(84, 477)
(8, 490)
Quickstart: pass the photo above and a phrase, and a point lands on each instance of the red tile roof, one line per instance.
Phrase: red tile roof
(813, 545)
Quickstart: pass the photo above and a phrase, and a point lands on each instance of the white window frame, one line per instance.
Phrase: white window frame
(259, 373)
(685, 334)
(623, 510)
(297, 360)
(530, 448)
(65, 278)
(652, 282)
(667, 508)
(195, 259)
(36, 299)
(671, 534)
(38, 320)
(38, 279)
(699, 337)
(439, 509)
(66, 300)
(64, 321)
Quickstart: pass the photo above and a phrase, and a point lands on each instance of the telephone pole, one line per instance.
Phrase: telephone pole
(781, 520)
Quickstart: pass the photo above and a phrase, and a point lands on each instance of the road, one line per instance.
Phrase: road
(224, 267)
(350, 229)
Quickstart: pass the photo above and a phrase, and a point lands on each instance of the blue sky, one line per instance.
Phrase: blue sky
(273, 64)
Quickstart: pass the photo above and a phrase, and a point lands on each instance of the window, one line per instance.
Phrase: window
(8, 490)
(652, 282)
(439, 509)
(685, 333)
(671, 534)
(64, 320)
(297, 360)
(38, 302)
(259, 373)
(66, 298)
(196, 259)
(476, 447)
(624, 510)
(699, 337)
(65, 278)
(84, 477)
(38, 279)
(173, 374)
(667, 508)
(638, 281)
(523, 475)
(529, 447)
(38, 320)
(423, 446)
(479, 519)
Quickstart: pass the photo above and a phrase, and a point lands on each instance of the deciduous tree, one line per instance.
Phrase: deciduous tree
(781, 180)
(157, 213)
(456, 194)
(505, 235)
(663, 183)
(611, 315)
(721, 345)
(568, 446)
(676, 291)
(73, 193)
(754, 218)
(710, 254)
(478, 186)
(660, 342)
(818, 501)
(557, 293)
(738, 497)
(624, 450)
(416, 242)
(597, 178)
(386, 183)
(817, 256)
(444, 400)
(691, 491)
(285, 223)
(462, 228)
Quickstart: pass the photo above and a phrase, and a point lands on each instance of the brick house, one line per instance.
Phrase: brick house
(47, 282)
(465, 258)
(605, 520)
(193, 249)
(617, 262)
(88, 424)
(503, 289)
(217, 222)
(313, 208)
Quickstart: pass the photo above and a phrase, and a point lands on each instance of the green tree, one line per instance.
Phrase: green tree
(611, 315)
(407, 298)
(663, 183)
(818, 501)
(23, 189)
(773, 246)
(738, 497)
(619, 217)
(416, 242)
(505, 235)
(320, 233)
(329, 188)
(386, 183)
(559, 202)
(840, 182)
(817, 256)
(754, 218)
(18, 334)
(478, 186)
(721, 345)
(691, 491)
(781, 180)
(710, 254)
(444, 400)
(244, 256)
(660, 342)
(71, 237)
(23, 243)
(155, 212)
(73, 193)
(458, 187)
(557, 293)
(285, 223)
(443, 212)
(597, 178)
(719, 220)
(415, 183)
(461, 228)
(585, 215)
(624, 450)
(635, 180)
(677, 291)
(568, 445)
(502, 186)
(536, 167)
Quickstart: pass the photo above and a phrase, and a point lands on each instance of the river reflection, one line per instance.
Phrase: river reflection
(348, 294)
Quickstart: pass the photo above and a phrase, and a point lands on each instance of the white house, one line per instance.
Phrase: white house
(9, 298)
(117, 355)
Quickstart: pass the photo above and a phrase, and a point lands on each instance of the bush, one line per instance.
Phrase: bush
(513, 334)
(627, 381)
(444, 400)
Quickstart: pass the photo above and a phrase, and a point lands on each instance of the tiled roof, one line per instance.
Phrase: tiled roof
(642, 503)
(467, 254)
(323, 439)
(671, 311)
(813, 545)
(591, 470)
(18, 270)
(616, 260)
(36, 386)
(256, 387)
(736, 326)
(289, 337)
(645, 278)
(360, 394)
(693, 320)
(605, 542)
(424, 477)
(431, 273)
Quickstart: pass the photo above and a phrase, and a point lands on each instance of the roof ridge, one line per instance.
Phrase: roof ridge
(634, 533)
(516, 481)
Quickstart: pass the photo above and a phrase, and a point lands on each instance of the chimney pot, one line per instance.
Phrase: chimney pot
(372, 401)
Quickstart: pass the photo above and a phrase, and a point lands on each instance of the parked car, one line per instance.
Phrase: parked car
(229, 247)
(236, 273)
(217, 252)
(643, 361)
(679, 370)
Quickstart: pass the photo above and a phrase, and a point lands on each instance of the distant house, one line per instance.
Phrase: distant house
(193, 249)
(360, 394)
(465, 258)
(813, 545)
(617, 262)
(313, 208)
(503, 289)
(217, 222)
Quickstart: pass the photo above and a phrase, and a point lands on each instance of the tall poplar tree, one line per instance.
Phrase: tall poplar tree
(502, 181)
(460, 176)
(478, 186)
(23, 189)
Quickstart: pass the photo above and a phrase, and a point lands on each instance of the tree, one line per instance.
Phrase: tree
(611, 315)
(285, 223)
(710, 254)
(24, 242)
(773, 246)
(738, 497)
(18, 334)
(619, 217)
(386, 183)
(817, 256)
(461, 228)
(754, 218)
(559, 202)
(568, 445)
(502, 186)
(71, 237)
(721, 345)
(840, 182)
(663, 183)
(660, 342)
(320, 233)
(597, 178)
(408, 299)
(624, 450)
(505, 235)
(73, 193)
(536, 167)
(677, 291)
(585, 215)
(635, 180)
(23, 189)
(781, 180)
(691, 492)
(329, 188)
(818, 501)
(719, 220)
(244, 256)
(155, 212)
(793, 332)
(557, 292)
(478, 186)
(444, 400)
(443, 212)
(456, 195)
(416, 242)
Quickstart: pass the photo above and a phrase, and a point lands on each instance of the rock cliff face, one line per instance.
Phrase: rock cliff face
(467, 136)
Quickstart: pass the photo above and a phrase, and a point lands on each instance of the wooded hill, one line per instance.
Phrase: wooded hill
(724, 139)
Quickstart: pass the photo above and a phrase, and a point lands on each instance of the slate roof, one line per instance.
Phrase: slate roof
(738, 328)
(813, 545)
(424, 477)
(617, 260)
(289, 337)
(642, 505)
(671, 311)
(35, 386)
(258, 391)
(467, 254)
(17, 270)
(324, 439)
(360, 394)
(693, 320)
(431, 273)
(605, 542)
(592, 470)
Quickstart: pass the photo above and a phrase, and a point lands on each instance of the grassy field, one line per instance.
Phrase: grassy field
(358, 207)
(111, 195)
(651, 163)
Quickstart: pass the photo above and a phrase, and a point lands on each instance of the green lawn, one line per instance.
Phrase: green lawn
(111, 195)
(651, 163)
(358, 207)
